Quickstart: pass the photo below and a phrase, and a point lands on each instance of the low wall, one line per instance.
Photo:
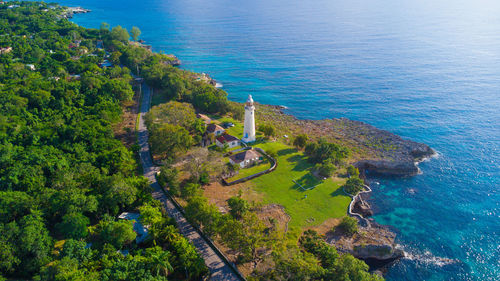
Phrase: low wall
(274, 164)
(355, 198)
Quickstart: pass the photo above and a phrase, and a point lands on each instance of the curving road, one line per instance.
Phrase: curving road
(218, 268)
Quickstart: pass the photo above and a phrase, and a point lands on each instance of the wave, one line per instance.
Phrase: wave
(427, 258)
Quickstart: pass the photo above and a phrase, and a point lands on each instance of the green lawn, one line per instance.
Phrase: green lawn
(237, 130)
(324, 201)
(250, 171)
(308, 181)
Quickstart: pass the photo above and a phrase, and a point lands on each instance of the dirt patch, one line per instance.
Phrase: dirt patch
(274, 215)
(326, 226)
(218, 194)
(125, 130)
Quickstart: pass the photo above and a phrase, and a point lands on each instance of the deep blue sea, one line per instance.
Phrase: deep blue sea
(428, 70)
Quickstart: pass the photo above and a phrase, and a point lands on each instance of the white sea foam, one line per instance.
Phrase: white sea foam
(427, 258)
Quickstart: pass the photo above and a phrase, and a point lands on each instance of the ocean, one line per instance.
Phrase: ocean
(427, 70)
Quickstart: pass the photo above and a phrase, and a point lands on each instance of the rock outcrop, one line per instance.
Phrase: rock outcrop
(374, 244)
(363, 208)
(173, 62)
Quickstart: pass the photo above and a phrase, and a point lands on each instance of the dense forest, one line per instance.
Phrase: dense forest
(64, 177)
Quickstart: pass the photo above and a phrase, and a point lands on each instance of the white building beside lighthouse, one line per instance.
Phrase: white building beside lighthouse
(249, 127)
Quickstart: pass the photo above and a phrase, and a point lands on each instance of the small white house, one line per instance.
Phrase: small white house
(245, 158)
(31, 66)
(215, 129)
(231, 141)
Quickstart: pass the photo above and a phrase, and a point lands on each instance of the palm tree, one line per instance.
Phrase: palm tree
(160, 261)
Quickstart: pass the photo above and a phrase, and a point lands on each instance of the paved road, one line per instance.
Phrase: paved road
(219, 269)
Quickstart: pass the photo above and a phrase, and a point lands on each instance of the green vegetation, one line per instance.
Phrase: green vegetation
(245, 172)
(237, 130)
(335, 266)
(300, 141)
(238, 206)
(352, 171)
(348, 225)
(136, 32)
(325, 201)
(353, 185)
(268, 130)
(64, 177)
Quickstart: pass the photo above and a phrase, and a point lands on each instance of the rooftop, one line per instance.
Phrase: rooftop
(244, 155)
(214, 127)
(227, 138)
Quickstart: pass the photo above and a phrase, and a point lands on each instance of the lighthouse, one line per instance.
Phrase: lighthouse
(249, 128)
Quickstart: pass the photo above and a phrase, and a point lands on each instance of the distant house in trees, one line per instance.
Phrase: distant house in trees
(139, 228)
(224, 139)
(245, 158)
(31, 66)
(215, 129)
(5, 50)
(204, 118)
(99, 44)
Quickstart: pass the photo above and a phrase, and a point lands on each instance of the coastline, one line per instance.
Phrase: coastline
(404, 165)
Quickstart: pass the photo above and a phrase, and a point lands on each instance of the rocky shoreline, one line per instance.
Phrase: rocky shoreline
(375, 151)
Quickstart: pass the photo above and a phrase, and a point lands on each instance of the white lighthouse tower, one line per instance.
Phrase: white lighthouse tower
(249, 128)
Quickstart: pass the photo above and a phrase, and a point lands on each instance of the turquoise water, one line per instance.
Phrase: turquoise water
(426, 70)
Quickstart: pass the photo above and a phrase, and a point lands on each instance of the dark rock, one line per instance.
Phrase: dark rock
(396, 168)
(363, 208)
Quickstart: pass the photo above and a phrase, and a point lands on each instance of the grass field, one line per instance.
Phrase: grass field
(237, 130)
(323, 202)
(250, 171)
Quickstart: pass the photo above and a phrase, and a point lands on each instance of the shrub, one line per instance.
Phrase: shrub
(326, 169)
(348, 225)
(238, 207)
(300, 141)
(353, 185)
(352, 171)
(204, 178)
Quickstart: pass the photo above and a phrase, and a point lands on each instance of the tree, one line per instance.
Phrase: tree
(352, 171)
(190, 190)
(14, 205)
(326, 169)
(136, 32)
(74, 225)
(350, 268)
(117, 233)
(169, 178)
(204, 214)
(119, 33)
(159, 260)
(238, 206)
(34, 244)
(268, 130)
(348, 225)
(76, 249)
(167, 139)
(300, 141)
(104, 26)
(353, 185)
(323, 150)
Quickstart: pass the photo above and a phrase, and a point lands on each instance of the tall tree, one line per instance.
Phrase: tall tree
(119, 33)
(136, 32)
